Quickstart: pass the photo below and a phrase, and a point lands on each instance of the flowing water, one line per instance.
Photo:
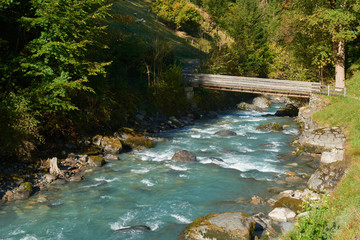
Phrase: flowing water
(146, 188)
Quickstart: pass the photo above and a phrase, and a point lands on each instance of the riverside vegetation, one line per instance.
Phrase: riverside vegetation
(74, 69)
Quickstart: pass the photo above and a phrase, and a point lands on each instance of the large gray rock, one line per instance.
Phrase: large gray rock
(270, 127)
(225, 133)
(184, 156)
(288, 110)
(306, 112)
(334, 156)
(326, 177)
(281, 214)
(235, 225)
(111, 145)
(261, 102)
(328, 138)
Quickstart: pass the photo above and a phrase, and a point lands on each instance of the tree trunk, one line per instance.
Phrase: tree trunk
(340, 65)
(54, 169)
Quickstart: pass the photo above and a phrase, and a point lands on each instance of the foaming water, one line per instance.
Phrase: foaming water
(146, 188)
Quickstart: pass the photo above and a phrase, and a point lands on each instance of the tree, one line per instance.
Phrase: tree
(337, 19)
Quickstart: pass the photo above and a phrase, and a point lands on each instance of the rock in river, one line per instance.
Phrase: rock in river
(282, 214)
(234, 225)
(20, 193)
(184, 156)
(270, 127)
(288, 110)
(225, 133)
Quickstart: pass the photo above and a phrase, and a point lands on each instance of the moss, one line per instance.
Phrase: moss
(214, 234)
(99, 161)
(139, 142)
(311, 149)
(291, 203)
(93, 150)
(127, 131)
(270, 127)
(26, 186)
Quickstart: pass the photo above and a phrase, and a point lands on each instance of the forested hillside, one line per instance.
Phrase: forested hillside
(73, 67)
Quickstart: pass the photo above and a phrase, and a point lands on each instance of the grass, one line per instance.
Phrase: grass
(345, 201)
(184, 47)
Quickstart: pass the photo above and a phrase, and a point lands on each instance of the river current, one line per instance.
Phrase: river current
(147, 188)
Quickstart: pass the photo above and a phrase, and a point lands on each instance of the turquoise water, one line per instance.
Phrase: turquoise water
(146, 188)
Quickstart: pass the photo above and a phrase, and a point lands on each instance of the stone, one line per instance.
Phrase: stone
(270, 127)
(308, 157)
(211, 114)
(293, 179)
(256, 200)
(282, 214)
(291, 203)
(111, 145)
(111, 157)
(22, 192)
(288, 110)
(261, 102)
(76, 178)
(326, 177)
(138, 142)
(49, 178)
(334, 156)
(286, 227)
(247, 106)
(263, 225)
(270, 202)
(58, 182)
(316, 104)
(290, 173)
(184, 156)
(96, 161)
(234, 225)
(96, 140)
(327, 138)
(225, 133)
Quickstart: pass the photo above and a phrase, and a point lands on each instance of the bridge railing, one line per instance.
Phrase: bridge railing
(260, 85)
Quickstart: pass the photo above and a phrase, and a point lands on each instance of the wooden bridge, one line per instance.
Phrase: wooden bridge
(260, 85)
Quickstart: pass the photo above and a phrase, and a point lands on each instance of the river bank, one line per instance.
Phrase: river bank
(321, 147)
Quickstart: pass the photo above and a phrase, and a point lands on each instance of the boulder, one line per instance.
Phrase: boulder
(225, 133)
(261, 102)
(288, 110)
(327, 138)
(184, 156)
(316, 104)
(256, 200)
(291, 203)
(326, 177)
(334, 156)
(96, 161)
(96, 140)
(111, 145)
(270, 127)
(234, 225)
(247, 106)
(282, 214)
(138, 142)
(49, 178)
(20, 193)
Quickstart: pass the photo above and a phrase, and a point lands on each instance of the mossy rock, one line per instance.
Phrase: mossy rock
(270, 127)
(309, 148)
(111, 145)
(220, 226)
(138, 142)
(92, 150)
(127, 131)
(26, 186)
(291, 203)
(96, 161)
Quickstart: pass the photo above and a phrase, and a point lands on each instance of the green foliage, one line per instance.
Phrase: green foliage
(168, 92)
(179, 13)
(314, 225)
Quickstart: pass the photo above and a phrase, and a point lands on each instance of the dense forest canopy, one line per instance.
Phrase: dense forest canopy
(70, 67)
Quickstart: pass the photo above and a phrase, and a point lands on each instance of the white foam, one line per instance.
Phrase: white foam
(183, 176)
(29, 237)
(196, 136)
(17, 232)
(140, 171)
(102, 179)
(105, 197)
(92, 185)
(177, 168)
(155, 225)
(147, 182)
(181, 219)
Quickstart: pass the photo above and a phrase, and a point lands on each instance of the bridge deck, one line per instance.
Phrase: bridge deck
(260, 85)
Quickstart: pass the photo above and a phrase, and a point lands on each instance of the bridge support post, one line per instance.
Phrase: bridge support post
(189, 92)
